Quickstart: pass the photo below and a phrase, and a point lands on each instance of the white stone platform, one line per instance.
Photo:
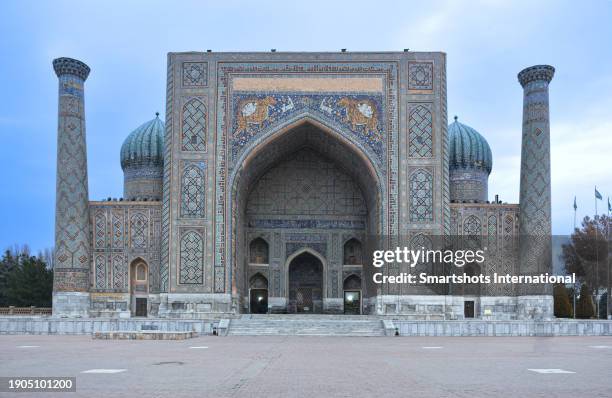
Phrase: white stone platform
(293, 324)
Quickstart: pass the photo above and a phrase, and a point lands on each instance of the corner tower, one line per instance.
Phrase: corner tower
(72, 245)
(535, 213)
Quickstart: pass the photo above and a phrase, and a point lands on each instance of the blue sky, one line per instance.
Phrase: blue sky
(125, 44)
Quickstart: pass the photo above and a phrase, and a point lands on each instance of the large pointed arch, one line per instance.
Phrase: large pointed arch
(307, 131)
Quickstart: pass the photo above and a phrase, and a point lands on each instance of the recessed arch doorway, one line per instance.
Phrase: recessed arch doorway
(139, 288)
(258, 294)
(305, 280)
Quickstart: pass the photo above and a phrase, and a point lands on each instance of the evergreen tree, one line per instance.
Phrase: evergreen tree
(563, 308)
(25, 280)
(7, 264)
(584, 307)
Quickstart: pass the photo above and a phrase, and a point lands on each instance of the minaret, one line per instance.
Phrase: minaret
(72, 242)
(535, 301)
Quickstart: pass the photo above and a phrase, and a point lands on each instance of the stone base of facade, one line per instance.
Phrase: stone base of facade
(71, 304)
(110, 305)
(432, 307)
(203, 306)
(535, 307)
(15, 325)
(195, 305)
(429, 307)
(278, 305)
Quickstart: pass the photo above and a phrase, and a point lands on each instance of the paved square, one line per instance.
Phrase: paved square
(286, 366)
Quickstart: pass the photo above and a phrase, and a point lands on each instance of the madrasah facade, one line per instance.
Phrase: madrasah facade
(258, 189)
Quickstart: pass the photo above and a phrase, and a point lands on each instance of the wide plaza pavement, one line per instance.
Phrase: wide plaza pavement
(290, 366)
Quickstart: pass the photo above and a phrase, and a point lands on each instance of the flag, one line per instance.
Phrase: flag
(597, 194)
(575, 205)
(609, 205)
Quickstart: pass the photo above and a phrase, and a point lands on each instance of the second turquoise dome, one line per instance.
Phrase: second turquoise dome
(145, 145)
(468, 149)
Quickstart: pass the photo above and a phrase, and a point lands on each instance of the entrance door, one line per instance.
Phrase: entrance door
(352, 302)
(139, 287)
(141, 306)
(304, 299)
(259, 301)
(468, 309)
(258, 296)
(305, 284)
(352, 295)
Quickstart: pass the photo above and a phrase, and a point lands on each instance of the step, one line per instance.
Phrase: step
(306, 325)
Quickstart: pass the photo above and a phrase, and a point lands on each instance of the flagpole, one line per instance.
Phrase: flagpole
(575, 209)
(596, 259)
(574, 287)
(608, 264)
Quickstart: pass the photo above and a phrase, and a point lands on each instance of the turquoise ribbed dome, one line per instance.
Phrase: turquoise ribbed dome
(468, 149)
(145, 145)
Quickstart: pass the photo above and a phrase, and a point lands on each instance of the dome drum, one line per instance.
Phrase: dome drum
(468, 185)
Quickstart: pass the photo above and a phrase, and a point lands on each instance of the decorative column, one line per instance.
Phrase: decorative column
(72, 241)
(535, 257)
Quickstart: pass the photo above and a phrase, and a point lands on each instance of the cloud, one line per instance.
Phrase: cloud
(581, 146)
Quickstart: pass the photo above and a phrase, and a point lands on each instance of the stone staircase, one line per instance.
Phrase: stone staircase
(306, 325)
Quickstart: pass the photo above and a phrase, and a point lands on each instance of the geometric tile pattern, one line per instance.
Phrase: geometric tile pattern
(164, 266)
(472, 229)
(139, 231)
(492, 225)
(118, 229)
(306, 184)
(508, 225)
(100, 230)
(195, 74)
(191, 259)
(420, 132)
(100, 272)
(192, 192)
(472, 226)
(492, 233)
(420, 76)
(193, 134)
(119, 272)
(421, 196)
(420, 241)
(535, 191)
